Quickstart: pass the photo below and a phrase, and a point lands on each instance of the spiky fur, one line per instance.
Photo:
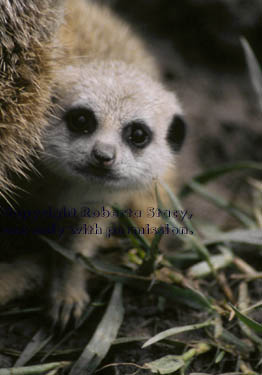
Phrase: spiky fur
(107, 67)
(27, 62)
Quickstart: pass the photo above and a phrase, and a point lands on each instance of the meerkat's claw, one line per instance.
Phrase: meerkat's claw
(67, 312)
(68, 298)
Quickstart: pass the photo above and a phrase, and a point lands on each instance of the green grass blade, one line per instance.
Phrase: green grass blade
(214, 173)
(177, 205)
(149, 263)
(222, 203)
(185, 296)
(137, 239)
(248, 321)
(194, 240)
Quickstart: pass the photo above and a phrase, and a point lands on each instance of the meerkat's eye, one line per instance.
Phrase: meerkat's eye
(137, 134)
(81, 120)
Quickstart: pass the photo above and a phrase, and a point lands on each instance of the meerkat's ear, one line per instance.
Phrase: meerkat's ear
(176, 132)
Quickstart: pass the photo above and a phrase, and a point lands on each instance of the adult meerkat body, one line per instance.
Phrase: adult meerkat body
(115, 131)
(27, 59)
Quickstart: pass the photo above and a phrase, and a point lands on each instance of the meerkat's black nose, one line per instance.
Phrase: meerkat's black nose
(103, 155)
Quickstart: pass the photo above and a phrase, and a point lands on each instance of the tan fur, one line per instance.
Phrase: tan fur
(93, 32)
(106, 37)
(27, 54)
(99, 35)
(89, 33)
(21, 277)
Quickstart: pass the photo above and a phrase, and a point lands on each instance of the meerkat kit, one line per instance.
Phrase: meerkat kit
(113, 131)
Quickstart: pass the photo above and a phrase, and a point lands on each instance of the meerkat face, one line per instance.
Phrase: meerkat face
(114, 127)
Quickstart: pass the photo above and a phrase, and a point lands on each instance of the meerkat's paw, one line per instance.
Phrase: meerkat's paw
(67, 305)
(68, 296)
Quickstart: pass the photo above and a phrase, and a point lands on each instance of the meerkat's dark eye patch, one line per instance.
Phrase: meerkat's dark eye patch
(176, 132)
(137, 134)
(81, 120)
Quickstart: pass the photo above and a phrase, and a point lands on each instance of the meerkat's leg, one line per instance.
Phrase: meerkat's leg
(68, 286)
(21, 277)
(68, 292)
(29, 273)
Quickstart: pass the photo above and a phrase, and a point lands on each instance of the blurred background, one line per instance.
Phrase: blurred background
(197, 44)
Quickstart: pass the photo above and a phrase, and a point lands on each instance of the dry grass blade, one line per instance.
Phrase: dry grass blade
(243, 302)
(20, 312)
(166, 365)
(89, 310)
(255, 306)
(202, 269)
(173, 331)
(224, 373)
(103, 337)
(254, 69)
(38, 342)
(171, 363)
(247, 236)
(128, 340)
(33, 370)
(234, 343)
